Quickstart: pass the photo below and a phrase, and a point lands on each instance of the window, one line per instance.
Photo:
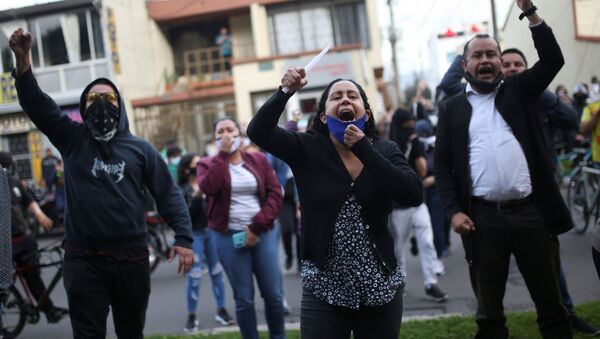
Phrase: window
(296, 28)
(351, 24)
(66, 38)
(6, 55)
(54, 49)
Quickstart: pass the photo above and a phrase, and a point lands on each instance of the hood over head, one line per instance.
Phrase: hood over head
(122, 127)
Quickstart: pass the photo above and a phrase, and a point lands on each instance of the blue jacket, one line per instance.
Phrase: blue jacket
(105, 196)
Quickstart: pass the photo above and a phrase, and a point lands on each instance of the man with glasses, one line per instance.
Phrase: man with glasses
(106, 172)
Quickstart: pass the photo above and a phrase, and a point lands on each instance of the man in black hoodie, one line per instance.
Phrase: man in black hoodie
(106, 172)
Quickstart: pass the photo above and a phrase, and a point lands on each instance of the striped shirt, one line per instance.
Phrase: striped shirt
(244, 197)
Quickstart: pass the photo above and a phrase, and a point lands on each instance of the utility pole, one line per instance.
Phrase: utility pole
(494, 23)
(393, 39)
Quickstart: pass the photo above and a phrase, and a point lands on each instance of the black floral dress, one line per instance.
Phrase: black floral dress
(353, 275)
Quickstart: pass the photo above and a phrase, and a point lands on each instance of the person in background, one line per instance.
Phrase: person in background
(223, 40)
(439, 223)
(203, 245)
(292, 124)
(347, 178)
(24, 247)
(563, 94)
(243, 198)
(415, 220)
(594, 89)
(581, 94)
(48, 169)
(173, 157)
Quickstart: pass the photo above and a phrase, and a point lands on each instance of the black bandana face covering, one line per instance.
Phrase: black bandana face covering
(484, 86)
(102, 119)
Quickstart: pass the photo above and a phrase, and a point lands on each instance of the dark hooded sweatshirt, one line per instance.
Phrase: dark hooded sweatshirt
(105, 191)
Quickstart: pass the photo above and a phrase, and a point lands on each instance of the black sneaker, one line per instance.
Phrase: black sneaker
(414, 250)
(223, 317)
(191, 325)
(55, 314)
(288, 263)
(434, 293)
(583, 326)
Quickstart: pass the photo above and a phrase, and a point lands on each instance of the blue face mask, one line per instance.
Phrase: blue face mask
(337, 127)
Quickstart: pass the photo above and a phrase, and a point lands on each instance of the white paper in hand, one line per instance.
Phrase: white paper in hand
(311, 64)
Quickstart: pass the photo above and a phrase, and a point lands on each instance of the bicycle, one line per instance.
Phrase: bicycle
(583, 196)
(18, 311)
(158, 244)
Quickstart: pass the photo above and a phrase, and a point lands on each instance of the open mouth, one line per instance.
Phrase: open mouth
(485, 70)
(346, 115)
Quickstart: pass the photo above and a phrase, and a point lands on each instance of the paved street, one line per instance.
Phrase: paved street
(166, 313)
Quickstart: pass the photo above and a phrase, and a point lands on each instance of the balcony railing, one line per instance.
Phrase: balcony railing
(206, 64)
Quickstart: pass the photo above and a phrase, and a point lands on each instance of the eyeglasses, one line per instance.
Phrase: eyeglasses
(95, 96)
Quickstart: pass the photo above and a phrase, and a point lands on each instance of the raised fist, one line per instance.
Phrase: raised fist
(524, 4)
(294, 79)
(20, 43)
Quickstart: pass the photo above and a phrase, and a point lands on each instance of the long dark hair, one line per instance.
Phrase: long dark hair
(318, 125)
(183, 173)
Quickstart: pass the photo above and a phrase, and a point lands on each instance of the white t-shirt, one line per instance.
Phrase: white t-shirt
(244, 197)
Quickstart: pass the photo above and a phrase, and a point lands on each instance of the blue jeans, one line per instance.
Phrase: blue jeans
(240, 265)
(438, 219)
(204, 247)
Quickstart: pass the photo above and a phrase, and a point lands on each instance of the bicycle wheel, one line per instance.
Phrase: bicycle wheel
(13, 314)
(577, 202)
(154, 249)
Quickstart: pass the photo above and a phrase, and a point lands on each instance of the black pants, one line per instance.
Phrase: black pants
(25, 254)
(319, 320)
(289, 228)
(596, 256)
(95, 283)
(519, 231)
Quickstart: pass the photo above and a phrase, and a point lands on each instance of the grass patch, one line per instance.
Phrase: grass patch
(521, 325)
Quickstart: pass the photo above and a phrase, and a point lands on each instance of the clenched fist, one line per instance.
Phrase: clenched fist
(294, 79)
(20, 43)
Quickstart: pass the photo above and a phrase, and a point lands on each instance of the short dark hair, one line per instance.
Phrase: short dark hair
(319, 126)
(479, 36)
(173, 151)
(515, 51)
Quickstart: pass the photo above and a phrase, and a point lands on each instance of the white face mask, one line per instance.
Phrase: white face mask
(237, 142)
(175, 160)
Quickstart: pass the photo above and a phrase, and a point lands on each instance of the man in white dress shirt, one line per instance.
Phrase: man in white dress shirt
(496, 181)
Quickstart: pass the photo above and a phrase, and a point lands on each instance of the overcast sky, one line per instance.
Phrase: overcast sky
(417, 22)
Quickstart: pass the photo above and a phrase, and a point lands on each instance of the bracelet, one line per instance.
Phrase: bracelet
(528, 12)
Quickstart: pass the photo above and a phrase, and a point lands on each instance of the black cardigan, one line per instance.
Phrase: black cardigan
(515, 100)
(324, 183)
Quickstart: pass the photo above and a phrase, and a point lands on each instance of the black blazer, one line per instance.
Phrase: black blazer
(515, 100)
(324, 183)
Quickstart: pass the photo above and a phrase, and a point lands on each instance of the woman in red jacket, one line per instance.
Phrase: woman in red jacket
(243, 199)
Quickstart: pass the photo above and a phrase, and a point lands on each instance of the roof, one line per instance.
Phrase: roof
(166, 11)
